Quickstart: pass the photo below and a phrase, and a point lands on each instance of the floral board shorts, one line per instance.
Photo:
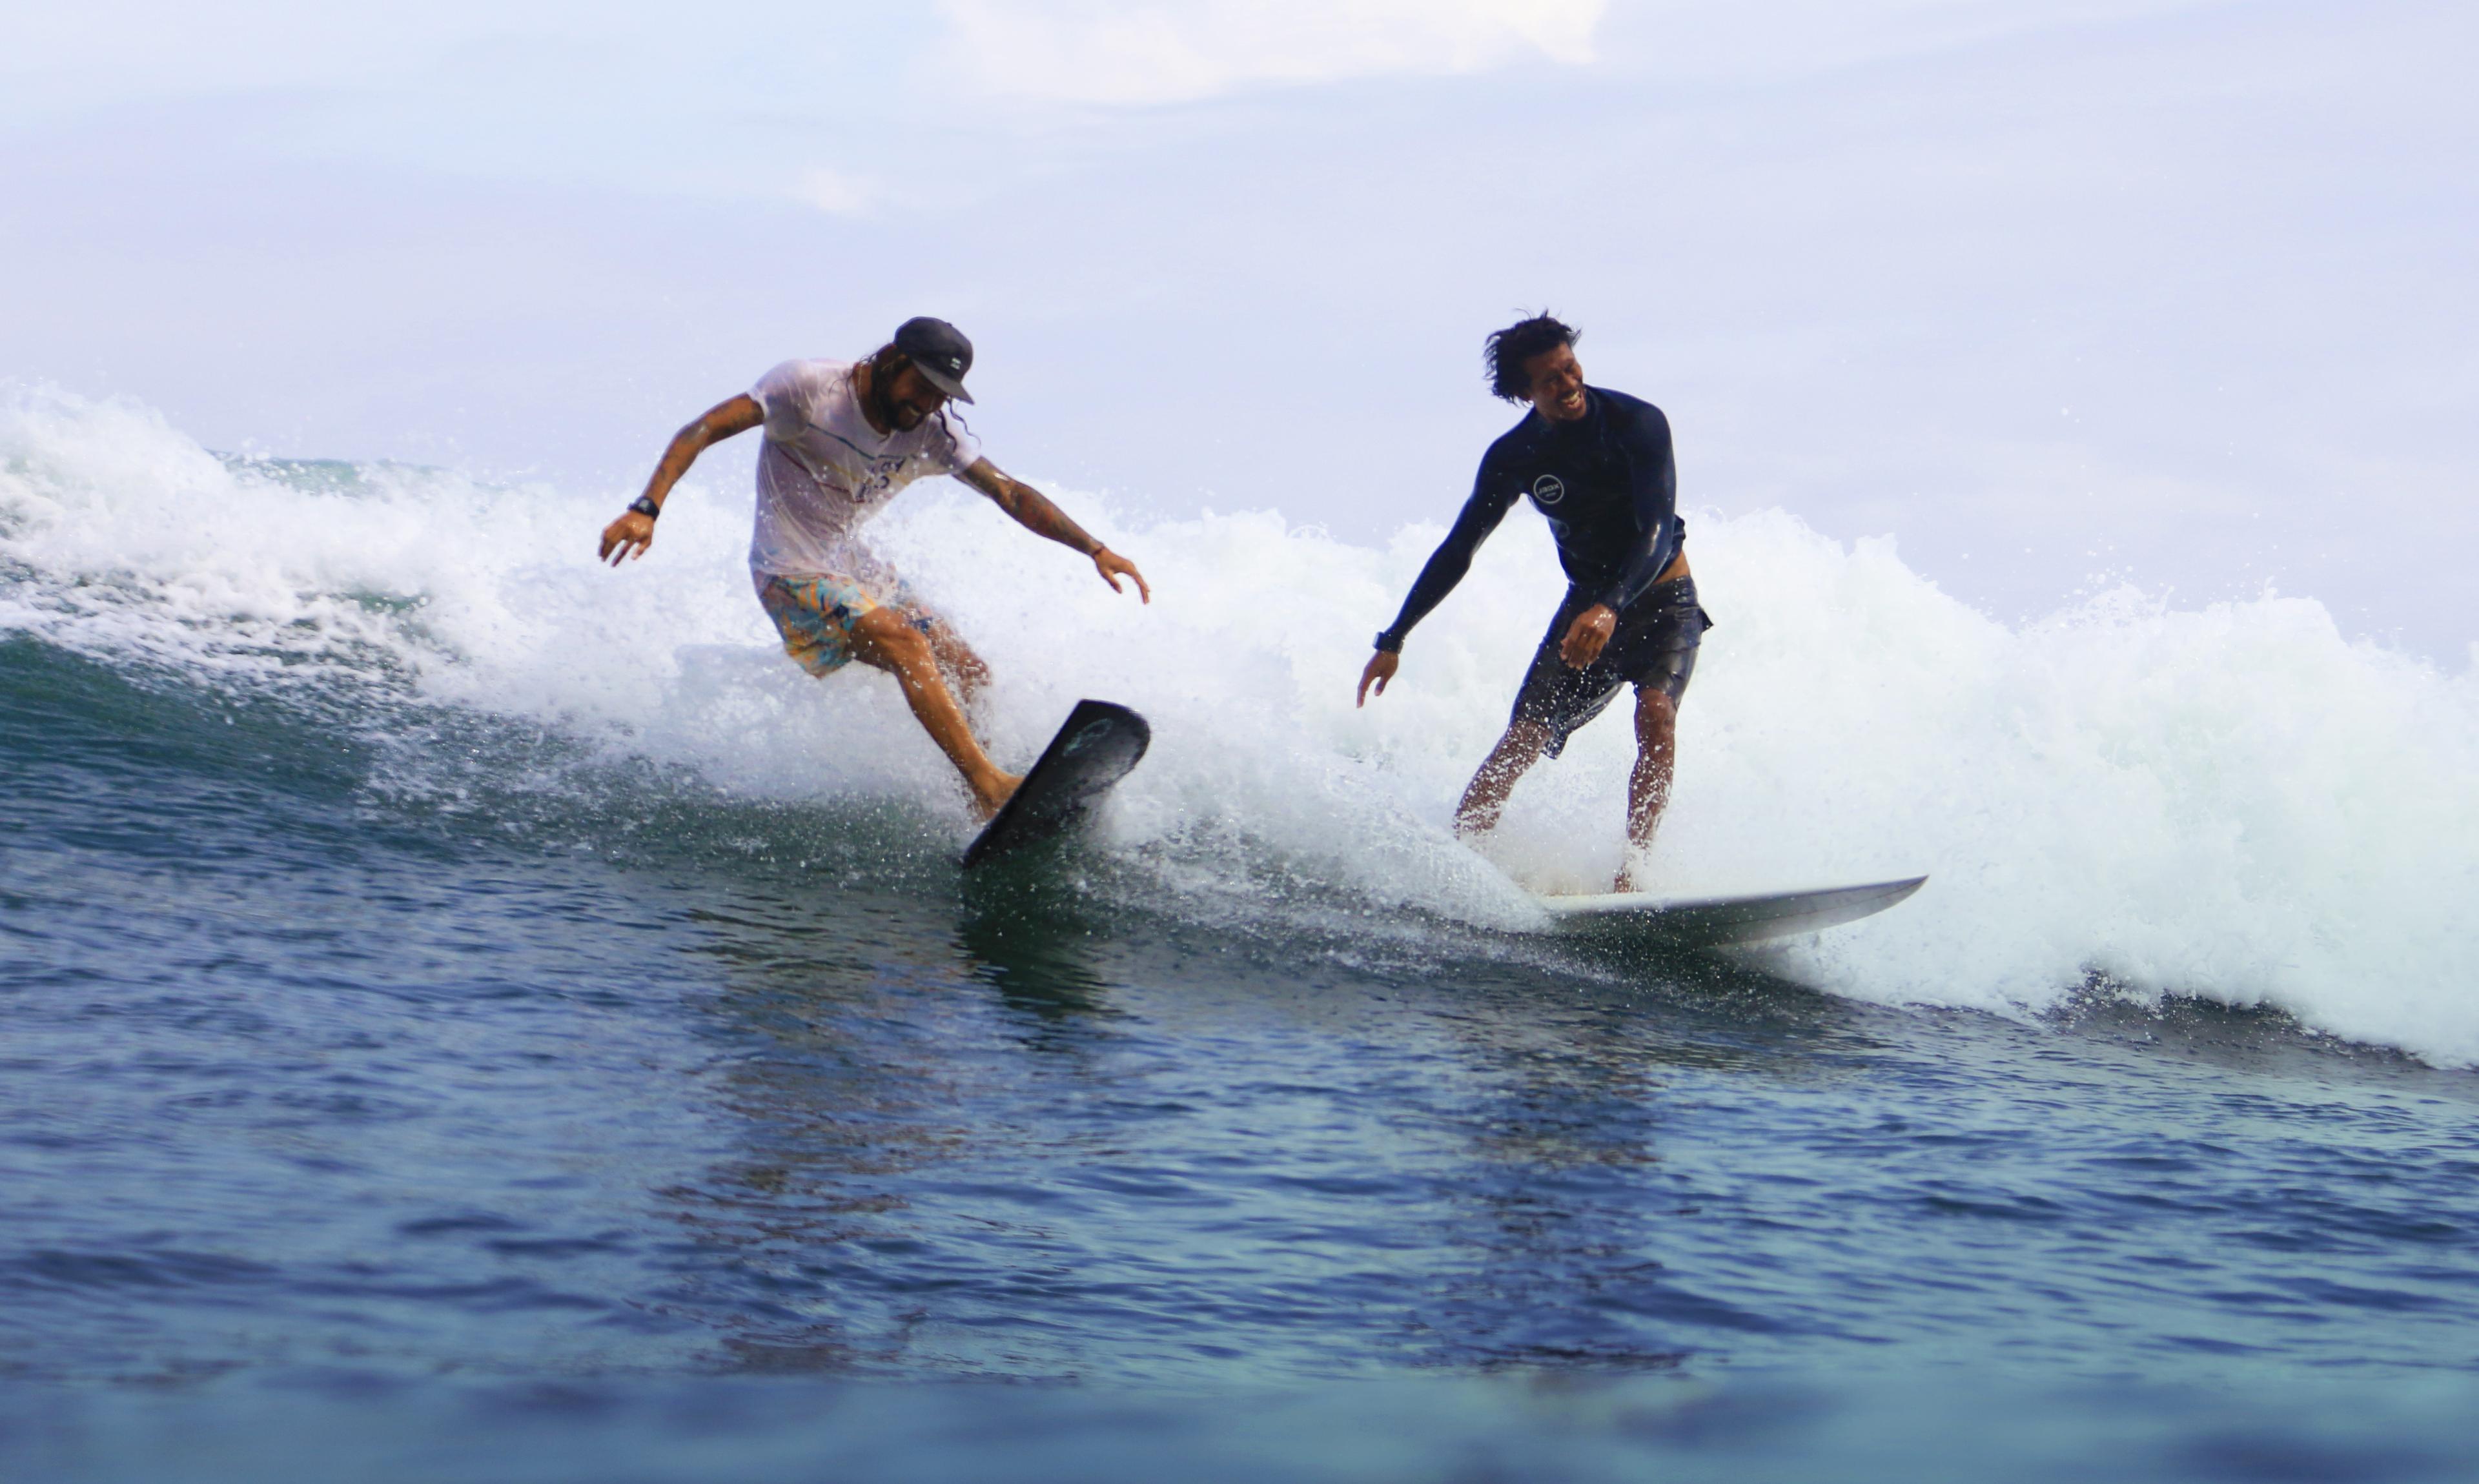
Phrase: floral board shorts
(816, 614)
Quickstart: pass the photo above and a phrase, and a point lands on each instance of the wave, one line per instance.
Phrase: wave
(2231, 803)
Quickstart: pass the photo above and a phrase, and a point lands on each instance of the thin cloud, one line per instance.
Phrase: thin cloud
(836, 193)
(1126, 52)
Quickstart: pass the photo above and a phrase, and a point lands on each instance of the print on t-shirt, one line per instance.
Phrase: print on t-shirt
(825, 472)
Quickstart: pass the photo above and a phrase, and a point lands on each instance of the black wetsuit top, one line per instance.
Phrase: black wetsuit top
(1605, 482)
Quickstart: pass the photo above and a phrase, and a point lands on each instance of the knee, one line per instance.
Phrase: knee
(890, 641)
(1656, 715)
(965, 661)
(1523, 742)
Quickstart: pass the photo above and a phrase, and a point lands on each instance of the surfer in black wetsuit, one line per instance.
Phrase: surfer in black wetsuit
(1597, 464)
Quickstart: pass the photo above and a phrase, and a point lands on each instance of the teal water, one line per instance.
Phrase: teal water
(706, 1136)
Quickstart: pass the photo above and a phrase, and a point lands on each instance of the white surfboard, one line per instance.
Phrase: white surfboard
(1707, 922)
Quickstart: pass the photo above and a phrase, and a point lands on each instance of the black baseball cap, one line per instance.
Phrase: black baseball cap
(939, 351)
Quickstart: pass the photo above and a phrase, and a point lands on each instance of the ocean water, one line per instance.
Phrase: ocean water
(471, 1013)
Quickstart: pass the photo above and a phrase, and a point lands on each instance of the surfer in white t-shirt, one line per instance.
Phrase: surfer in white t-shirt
(842, 439)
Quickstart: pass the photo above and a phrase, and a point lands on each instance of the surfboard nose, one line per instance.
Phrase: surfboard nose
(1100, 743)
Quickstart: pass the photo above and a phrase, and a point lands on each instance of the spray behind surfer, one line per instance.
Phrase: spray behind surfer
(1598, 464)
(842, 438)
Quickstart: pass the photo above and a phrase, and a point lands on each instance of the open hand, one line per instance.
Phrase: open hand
(1588, 636)
(1112, 565)
(627, 537)
(1380, 669)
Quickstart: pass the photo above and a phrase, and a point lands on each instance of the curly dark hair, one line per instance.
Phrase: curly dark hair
(1507, 349)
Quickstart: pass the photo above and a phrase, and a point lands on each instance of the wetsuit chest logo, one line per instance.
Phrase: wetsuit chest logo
(1549, 489)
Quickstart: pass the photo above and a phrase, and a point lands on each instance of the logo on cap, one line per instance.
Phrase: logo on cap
(1549, 489)
(939, 351)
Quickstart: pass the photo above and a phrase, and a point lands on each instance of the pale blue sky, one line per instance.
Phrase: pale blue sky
(2179, 290)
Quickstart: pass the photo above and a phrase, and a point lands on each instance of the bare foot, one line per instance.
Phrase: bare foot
(1625, 881)
(987, 798)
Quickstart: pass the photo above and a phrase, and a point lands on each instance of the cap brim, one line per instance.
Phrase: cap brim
(943, 382)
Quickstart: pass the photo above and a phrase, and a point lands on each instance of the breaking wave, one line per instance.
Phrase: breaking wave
(2231, 803)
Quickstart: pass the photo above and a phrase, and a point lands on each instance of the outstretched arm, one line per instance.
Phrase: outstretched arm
(1032, 510)
(1446, 567)
(634, 531)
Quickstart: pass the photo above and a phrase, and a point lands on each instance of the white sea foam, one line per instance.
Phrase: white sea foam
(2231, 803)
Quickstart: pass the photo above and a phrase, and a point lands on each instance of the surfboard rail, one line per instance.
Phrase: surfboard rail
(1710, 922)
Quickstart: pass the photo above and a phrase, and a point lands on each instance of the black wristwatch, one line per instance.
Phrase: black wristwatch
(646, 508)
(1389, 642)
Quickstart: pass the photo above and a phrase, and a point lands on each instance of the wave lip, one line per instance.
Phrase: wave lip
(2231, 803)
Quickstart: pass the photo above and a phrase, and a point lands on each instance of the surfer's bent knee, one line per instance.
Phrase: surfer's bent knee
(952, 650)
(1654, 708)
(894, 640)
(819, 618)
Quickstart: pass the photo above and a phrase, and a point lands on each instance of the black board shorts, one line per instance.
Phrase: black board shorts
(1654, 645)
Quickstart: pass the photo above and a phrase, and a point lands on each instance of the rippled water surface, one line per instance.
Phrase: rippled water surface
(626, 1109)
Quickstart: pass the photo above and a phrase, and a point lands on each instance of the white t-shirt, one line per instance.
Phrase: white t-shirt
(823, 472)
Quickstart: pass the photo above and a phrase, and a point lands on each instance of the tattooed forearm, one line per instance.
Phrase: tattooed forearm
(1038, 515)
(1030, 509)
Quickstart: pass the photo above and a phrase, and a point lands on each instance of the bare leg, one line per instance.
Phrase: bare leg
(1656, 751)
(1485, 796)
(962, 668)
(886, 639)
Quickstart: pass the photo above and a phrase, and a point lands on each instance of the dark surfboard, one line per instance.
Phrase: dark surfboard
(1708, 922)
(1099, 745)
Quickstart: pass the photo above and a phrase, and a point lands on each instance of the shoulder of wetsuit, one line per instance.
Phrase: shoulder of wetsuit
(1527, 428)
(1622, 408)
(1514, 443)
(1635, 424)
